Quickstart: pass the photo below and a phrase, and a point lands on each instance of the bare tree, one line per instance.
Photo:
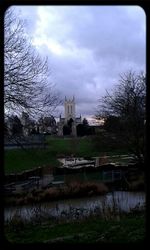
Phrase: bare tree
(127, 101)
(26, 86)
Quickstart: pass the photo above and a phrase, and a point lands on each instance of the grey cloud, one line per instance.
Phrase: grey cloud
(100, 43)
(111, 32)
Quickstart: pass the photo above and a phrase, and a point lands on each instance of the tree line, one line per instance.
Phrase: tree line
(124, 111)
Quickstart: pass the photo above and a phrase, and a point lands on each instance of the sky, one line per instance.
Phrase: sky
(88, 47)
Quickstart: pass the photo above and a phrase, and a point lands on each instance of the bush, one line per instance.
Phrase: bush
(16, 223)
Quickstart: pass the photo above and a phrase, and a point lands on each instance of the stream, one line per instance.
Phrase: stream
(118, 200)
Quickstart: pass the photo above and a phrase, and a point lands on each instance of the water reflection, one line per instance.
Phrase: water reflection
(123, 201)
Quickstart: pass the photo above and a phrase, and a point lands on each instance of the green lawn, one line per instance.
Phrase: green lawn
(17, 160)
(76, 146)
(129, 229)
(85, 146)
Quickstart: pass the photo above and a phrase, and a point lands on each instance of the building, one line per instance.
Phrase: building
(28, 124)
(47, 125)
(68, 124)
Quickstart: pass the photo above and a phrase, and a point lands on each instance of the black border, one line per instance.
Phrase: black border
(4, 4)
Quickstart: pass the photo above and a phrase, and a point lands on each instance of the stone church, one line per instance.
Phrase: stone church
(68, 124)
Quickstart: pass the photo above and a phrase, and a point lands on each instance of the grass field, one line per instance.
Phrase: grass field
(75, 146)
(129, 229)
(17, 160)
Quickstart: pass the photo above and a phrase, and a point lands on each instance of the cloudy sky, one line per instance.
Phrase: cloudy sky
(87, 47)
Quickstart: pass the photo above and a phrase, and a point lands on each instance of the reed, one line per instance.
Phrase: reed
(72, 190)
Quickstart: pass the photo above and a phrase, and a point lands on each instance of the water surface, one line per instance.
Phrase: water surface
(120, 200)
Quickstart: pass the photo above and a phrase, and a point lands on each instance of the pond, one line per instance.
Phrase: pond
(118, 200)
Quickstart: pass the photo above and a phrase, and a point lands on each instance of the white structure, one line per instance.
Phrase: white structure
(68, 124)
(69, 109)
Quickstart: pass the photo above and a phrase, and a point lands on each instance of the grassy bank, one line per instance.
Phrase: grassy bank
(128, 229)
(73, 190)
(17, 160)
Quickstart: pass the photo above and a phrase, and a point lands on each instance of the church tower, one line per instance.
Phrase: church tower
(69, 109)
(70, 119)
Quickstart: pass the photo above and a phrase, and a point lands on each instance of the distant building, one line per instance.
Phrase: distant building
(13, 126)
(28, 124)
(47, 125)
(68, 124)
